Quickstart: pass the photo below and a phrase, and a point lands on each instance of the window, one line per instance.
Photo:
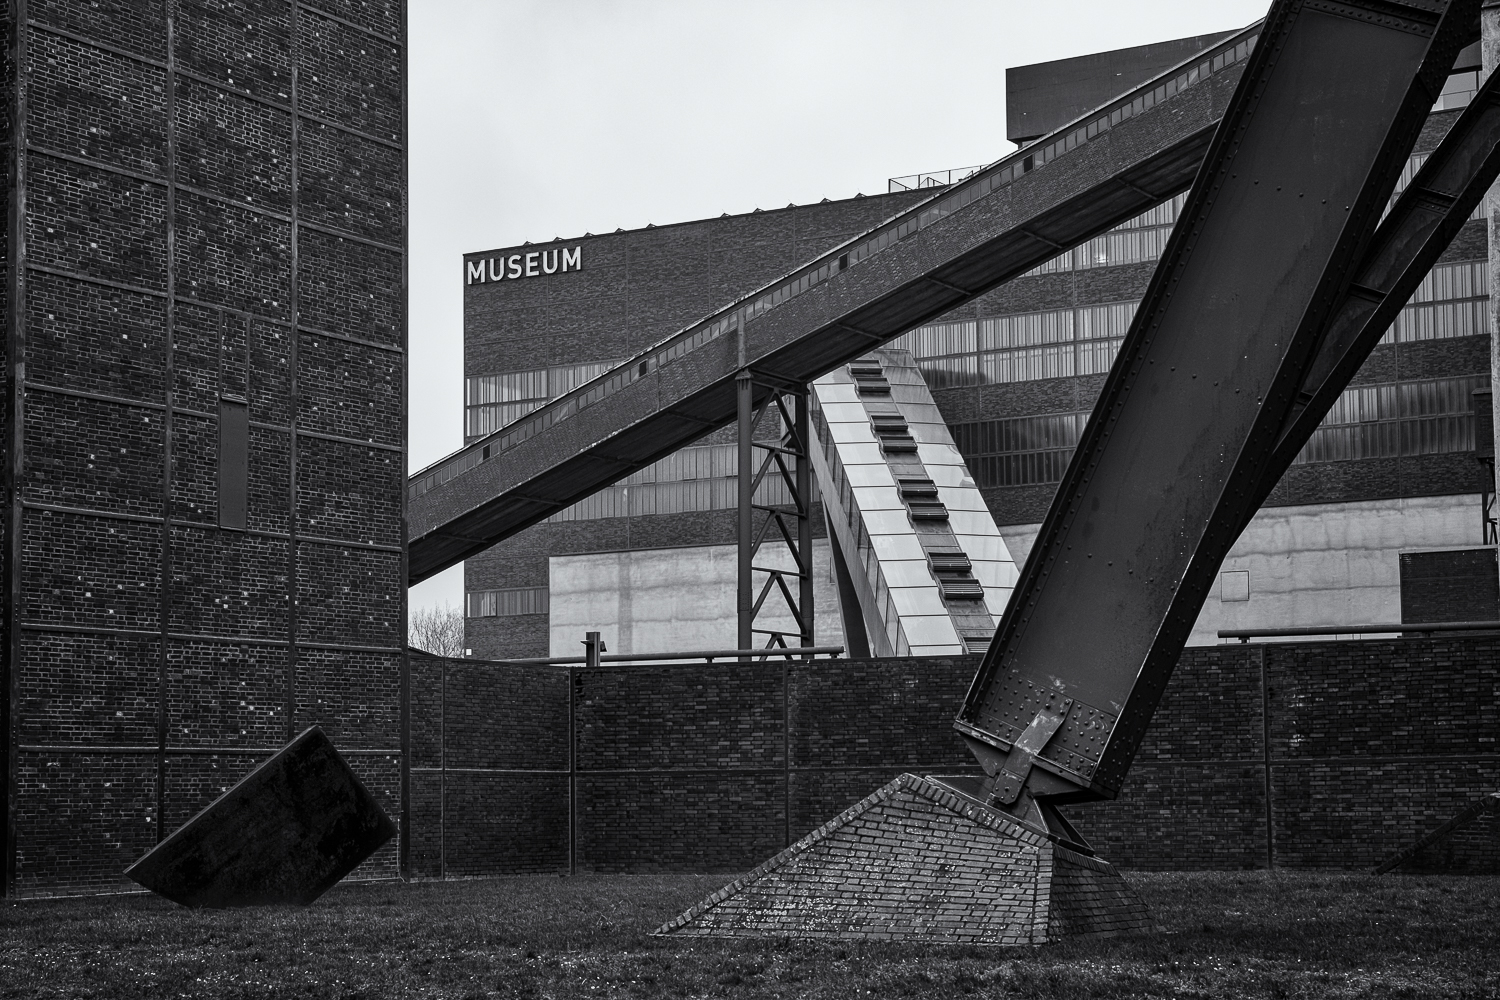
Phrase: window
(1452, 301)
(505, 603)
(1397, 419)
(1371, 421)
(1020, 451)
(492, 401)
(234, 461)
(693, 479)
(1139, 239)
(1054, 344)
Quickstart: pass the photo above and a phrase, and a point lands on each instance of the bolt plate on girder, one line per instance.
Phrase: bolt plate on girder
(1077, 748)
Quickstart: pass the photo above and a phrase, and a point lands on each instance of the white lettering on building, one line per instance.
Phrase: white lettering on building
(532, 265)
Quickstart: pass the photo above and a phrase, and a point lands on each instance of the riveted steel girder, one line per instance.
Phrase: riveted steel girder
(1185, 433)
(1431, 210)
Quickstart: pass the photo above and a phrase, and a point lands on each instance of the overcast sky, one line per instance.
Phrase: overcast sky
(533, 120)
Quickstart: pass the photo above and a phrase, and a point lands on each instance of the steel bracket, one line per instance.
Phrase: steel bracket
(1017, 766)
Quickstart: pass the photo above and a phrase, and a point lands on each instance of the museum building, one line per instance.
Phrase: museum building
(1382, 519)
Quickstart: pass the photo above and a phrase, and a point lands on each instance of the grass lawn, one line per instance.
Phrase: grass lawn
(1248, 934)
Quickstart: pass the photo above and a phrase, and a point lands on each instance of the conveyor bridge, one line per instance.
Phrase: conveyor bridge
(1098, 171)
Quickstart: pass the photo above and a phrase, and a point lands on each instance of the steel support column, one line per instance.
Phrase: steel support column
(788, 456)
(802, 434)
(1489, 55)
(744, 602)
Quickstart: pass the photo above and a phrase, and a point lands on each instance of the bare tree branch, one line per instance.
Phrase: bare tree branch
(439, 631)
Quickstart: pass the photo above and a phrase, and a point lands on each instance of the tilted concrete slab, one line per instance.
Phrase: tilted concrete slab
(286, 833)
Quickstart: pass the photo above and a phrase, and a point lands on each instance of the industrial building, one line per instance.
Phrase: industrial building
(1383, 518)
(204, 414)
(206, 541)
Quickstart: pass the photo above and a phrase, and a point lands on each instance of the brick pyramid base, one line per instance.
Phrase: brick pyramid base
(920, 861)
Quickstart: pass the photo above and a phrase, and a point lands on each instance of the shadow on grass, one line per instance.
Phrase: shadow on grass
(1256, 934)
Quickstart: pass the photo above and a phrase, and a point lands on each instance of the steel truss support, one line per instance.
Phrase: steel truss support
(788, 456)
(1489, 530)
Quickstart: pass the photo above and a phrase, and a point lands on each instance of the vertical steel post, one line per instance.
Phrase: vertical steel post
(14, 457)
(744, 598)
(1266, 759)
(803, 431)
(570, 677)
(1489, 58)
(442, 773)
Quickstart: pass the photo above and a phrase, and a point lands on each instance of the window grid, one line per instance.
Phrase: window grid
(1141, 238)
(506, 603)
(1399, 419)
(492, 401)
(1452, 301)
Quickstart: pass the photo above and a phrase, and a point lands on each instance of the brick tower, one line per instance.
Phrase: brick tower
(204, 420)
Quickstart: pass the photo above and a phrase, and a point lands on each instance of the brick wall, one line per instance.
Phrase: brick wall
(195, 226)
(1453, 586)
(1301, 755)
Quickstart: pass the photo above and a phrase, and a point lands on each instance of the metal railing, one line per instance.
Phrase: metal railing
(931, 179)
(709, 655)
(1246, 634)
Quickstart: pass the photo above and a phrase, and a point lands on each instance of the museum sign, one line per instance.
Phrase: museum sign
(524, 265)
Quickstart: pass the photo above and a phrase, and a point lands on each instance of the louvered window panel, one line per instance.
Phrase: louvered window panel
(869, 380)
(892, 432)
(921, 498)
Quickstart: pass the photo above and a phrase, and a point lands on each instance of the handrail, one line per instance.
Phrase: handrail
(1246, 634)
(790, 652)
(729, 319)
(932, 178)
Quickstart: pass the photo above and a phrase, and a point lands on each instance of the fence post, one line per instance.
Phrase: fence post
(443, 773)
(744, 478)
(786, 752)
(570, 675)
(1265, 740)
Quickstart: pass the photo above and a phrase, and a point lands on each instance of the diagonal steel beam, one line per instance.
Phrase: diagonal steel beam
(1170, 465)
(1423, 222)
